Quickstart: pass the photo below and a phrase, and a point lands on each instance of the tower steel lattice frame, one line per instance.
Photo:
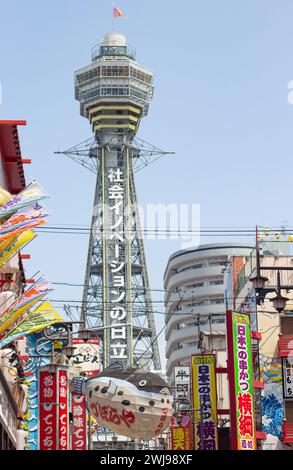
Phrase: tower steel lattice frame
(114, 93)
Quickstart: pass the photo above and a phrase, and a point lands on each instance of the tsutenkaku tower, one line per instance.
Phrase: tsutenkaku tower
(114, 92)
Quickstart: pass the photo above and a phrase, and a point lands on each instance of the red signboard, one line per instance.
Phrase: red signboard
(181, 435)
(79, 422)
(63, 410)
(53, 409)
(47, 410)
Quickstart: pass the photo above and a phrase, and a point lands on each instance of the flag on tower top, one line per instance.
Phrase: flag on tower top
(118, 13)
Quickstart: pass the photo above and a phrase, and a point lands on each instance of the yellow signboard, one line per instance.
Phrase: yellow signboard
(204, 396)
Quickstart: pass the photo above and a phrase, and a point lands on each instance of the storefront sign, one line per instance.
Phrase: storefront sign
(47, 410)
(86, 356)
(63, 432)
(78, 409)
(204, 394)
(181, 434)
(53, 409)
(182, 381)
(240, 373)
(287, 366)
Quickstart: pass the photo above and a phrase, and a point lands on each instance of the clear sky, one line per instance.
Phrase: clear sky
(221, 103)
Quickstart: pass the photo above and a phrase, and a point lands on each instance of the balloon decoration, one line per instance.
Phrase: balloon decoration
(130, 402)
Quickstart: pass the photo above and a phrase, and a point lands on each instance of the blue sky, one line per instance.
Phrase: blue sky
(221, 103)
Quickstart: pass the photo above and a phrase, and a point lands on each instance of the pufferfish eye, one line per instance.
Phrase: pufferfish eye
(142, 383)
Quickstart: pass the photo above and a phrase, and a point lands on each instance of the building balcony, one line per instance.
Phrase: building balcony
(190, 276)
(186, 313)
(194, 294)
(285, 345)
(287, 432)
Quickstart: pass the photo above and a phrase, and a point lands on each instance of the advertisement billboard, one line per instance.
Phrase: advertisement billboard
(204, 399)
(240, 374)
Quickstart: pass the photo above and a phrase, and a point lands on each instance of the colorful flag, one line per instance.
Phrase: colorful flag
(11, 317)
(15, 312)
(5, 196)
(30, 195)
(118, 13)
(21, 221)
(44, 315)
(14, 246)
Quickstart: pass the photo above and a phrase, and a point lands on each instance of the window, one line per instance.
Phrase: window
(196, 266)
(139, 75)
(217, 282)
(217, 263)
(197, 284)
(217, 301)
(196, 304)
(114, 71)
(89, 75)
(142, 95)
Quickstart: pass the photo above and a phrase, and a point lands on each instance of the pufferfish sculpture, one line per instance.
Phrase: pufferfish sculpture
(130, 402)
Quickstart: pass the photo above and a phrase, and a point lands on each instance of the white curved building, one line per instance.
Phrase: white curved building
(194, 298)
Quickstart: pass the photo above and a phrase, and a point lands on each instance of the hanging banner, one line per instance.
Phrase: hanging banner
(15, 314)
(204, 394)
(5, 196)
(30, 195)
(42, 316)
(287, 368)
(21, 221)
(181, 434)
(63, 431)
(16, 245)
(30, 423)
(182, 381)
(240, 374)
(78, 409)
(47, 410)
(22, 304)
(53, 409)
(86, 356)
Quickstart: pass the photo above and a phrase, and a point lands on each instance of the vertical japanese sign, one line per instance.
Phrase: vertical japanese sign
(181, 435)
(287, 367)
(182, 381)
(116, 263)
(63, 432)
(53, 409)
(240, 373)
(79, 422)
(204, 394)
(87, 356)
(47, 410)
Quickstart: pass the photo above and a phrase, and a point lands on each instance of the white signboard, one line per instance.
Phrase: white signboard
(182, 381)
(118, 282)
(87, 356)
(288, 378)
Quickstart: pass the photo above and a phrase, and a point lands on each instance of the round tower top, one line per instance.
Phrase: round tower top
(114, 39)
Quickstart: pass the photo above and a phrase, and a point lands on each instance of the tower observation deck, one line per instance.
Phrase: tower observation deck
(114, 93)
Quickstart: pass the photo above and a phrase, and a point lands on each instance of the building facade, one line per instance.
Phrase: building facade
(272, 341)
(195, 300)
(13, 390)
